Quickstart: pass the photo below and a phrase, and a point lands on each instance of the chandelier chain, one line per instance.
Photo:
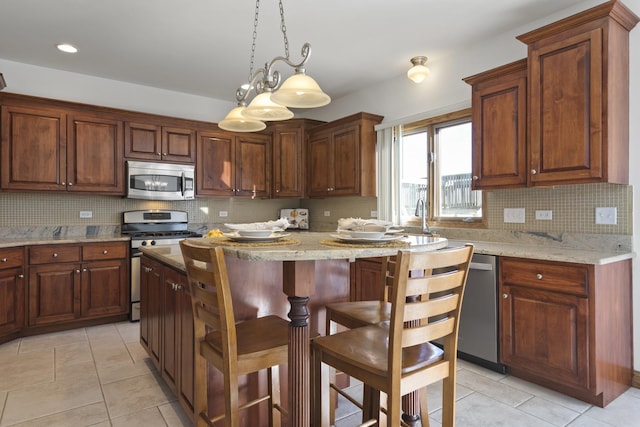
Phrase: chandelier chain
(255, 36)
(283, 27)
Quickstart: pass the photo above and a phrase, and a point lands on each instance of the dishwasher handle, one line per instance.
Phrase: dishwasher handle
(480, 266)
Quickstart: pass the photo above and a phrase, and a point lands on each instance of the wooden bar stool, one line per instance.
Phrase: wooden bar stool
(234, 349)
(397, 358)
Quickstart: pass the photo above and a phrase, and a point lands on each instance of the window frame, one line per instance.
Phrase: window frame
(429, 125)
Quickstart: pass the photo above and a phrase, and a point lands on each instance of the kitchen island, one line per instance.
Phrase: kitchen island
(309, 271)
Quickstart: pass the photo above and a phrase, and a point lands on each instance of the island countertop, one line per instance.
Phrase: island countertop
(306, 246)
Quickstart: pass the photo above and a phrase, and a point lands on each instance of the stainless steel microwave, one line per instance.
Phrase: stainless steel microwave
(160, 181)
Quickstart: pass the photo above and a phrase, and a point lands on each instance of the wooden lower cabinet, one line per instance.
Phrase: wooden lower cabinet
(166, 327)
(366, 279)
(568, 326)
(71, 282)
(12, 284)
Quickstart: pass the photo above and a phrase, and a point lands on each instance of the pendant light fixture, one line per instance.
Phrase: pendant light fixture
(419, 71)
(271, 100)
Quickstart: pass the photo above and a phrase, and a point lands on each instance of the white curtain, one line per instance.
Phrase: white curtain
(387, 152)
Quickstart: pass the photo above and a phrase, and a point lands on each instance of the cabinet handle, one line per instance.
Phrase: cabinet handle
(164, 154)
(277, 190)
(539, 276)
(148, 269)
(21, 276)
(105, 252)
(55, 255)
(63, 183)
(84, 269)
(4, 260)
(77, 271)
(475, 177)
(70, 184)
(533, 171)
(505, 296)
(158, 153)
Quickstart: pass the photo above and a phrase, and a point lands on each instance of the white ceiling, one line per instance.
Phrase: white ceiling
(203, 47)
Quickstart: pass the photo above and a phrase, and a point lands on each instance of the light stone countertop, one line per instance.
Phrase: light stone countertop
(10, 243)
(546, 253)
(309, 248)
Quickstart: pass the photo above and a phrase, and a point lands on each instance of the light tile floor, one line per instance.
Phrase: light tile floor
(101, 376)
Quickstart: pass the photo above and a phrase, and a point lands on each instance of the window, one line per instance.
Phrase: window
(433, 166)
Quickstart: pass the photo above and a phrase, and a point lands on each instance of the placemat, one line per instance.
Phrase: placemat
(340, 243)
(228, 242)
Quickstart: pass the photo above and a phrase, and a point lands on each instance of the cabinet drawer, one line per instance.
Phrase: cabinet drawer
(555, 276)
(108, 250)
(13, 257)
(48, 254)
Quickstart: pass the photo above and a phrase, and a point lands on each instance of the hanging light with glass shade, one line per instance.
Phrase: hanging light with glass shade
(272, 99)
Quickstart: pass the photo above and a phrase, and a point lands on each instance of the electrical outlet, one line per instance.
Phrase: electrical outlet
(223, 214)
(374, 214)
(327, 213)
(606, 215)
(544, 215)
(86, 214)
(514, 215)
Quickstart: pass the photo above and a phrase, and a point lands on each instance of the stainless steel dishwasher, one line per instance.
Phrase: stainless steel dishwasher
(478, 334)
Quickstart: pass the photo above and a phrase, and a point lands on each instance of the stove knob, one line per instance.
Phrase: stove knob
(144, 243)
(153, 242)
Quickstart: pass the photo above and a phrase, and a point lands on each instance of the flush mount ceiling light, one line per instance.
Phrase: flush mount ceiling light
(419, 71)
(272, 99)
(67, 48)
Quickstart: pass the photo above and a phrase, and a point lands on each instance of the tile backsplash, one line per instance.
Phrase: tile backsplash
(573, 208)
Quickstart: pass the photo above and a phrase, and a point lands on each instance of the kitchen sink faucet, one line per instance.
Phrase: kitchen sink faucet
(421, 210)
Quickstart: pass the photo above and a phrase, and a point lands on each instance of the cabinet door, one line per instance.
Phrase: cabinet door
(366, 279)
(566, 109)
(545, 333)
(186, 347)
(104, 288)
(54, 293)
(150, 308)
(215, 166)
(178, 145)
(345, 156)
(33, 151)
(253, 166)
(12, 302)
(142, 141)
(288, 163)
(500, 126)
(170, 328)
(320, 164)
(94, 159)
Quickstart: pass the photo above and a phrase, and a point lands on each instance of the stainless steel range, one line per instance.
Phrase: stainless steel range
(151, 228)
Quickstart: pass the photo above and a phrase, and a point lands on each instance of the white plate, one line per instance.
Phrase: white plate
(347, 238)
(238, 238)
(394, 230)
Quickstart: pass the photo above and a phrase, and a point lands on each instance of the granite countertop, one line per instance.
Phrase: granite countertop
(10, 243)
(309, 248)
(546, 253)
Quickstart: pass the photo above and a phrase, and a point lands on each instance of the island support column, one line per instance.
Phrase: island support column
(299, 284)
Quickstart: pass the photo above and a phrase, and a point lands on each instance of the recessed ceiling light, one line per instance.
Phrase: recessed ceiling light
(67, 48)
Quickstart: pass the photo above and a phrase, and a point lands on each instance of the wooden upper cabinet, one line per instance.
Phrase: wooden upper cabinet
(33, 151)
(94, 154)
(148, 141)
(289, 157)
(233, 165)
(499, 121)
(342, 157)
(579, 97)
